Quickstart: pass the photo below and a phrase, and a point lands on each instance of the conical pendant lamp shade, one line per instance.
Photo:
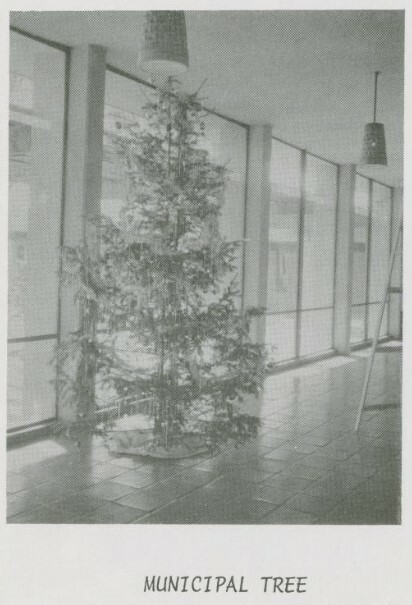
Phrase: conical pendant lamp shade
(374, 145)
(165, 43)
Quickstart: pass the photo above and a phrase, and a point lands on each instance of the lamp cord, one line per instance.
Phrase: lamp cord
(376, 95)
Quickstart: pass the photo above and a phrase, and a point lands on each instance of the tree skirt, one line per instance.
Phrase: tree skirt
(132, 436)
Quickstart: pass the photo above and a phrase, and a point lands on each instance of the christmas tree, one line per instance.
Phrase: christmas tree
(161, 320)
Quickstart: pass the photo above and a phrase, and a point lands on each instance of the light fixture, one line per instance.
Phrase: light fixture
(374, 146)
(165, 43)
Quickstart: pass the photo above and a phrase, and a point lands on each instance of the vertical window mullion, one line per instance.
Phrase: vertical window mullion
(242, 306)
(368, 261)
(300, 253)
(335, 260)
(63, 205)
(391, 243)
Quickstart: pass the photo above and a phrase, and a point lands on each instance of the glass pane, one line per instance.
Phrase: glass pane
(373, 318)
(397, 267)
(37, 88)
(319, 234)
(380, 241)
(357, 327)
(30, 393)
(395, 313)
(284, 228)
(360, 240)
(36, 126)
(280, 337)
(316, 331)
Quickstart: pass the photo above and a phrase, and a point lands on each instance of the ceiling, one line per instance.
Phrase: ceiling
(308, 73)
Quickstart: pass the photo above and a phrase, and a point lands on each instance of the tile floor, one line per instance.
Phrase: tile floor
(306, 467)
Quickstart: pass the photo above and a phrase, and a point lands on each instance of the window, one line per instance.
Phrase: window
(360, 259)
(284, 246)
(371, 252)
(36, 140)
(301, 266)
(316, 331)
(318, 263)
(379, 255)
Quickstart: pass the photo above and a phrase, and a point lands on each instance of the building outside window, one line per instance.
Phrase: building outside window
(36, 136)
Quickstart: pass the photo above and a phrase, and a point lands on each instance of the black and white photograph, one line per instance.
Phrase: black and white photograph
(205, 267)
(205, 275)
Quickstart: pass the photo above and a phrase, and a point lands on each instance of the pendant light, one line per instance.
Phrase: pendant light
(165, 43)
(374, 146)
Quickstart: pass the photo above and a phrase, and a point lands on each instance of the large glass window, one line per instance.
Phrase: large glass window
(283, 262)
(380, 246)
(360, 240)
(395, 299)
(36, 130)
(316, 331)
(318, 263)
(319, 234)
(360, 259)
(380, 241)
(371, 252)
(301, 265)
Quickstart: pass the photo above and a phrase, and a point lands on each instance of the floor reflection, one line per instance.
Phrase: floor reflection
(306, 467)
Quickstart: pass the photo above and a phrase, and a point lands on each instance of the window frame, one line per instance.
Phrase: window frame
(66, 50)
(301, 231)
(303, 157)
(367, 304)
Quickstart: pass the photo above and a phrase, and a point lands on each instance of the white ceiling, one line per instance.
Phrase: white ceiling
(308, 73)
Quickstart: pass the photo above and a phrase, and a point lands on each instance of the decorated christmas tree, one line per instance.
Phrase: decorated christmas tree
(161, 314)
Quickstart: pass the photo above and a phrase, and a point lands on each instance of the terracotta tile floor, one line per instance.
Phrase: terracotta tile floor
(306, 467)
